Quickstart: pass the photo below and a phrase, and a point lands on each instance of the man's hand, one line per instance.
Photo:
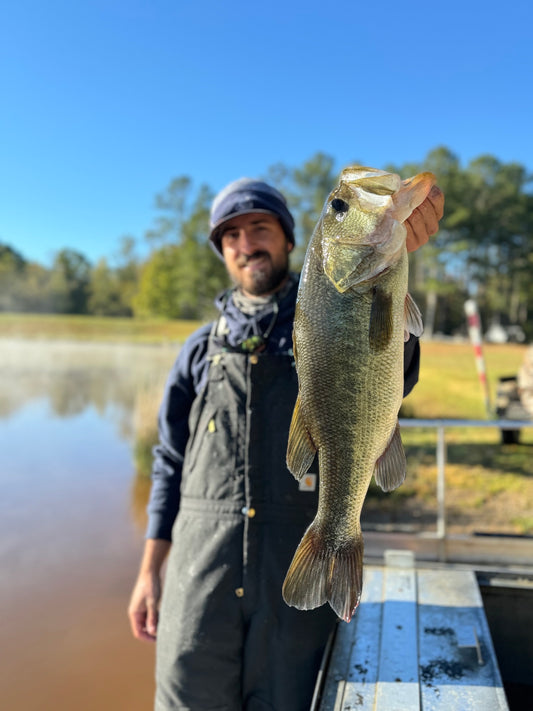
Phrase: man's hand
(143, 610)
(424, 221)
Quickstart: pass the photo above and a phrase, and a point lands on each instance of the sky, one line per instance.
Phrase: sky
(104, 102)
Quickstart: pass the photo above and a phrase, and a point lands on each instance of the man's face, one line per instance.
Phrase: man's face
(256, 252)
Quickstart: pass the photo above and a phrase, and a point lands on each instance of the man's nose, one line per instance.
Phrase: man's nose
(246, 242)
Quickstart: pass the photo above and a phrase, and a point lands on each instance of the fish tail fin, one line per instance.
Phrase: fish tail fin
(319, 574)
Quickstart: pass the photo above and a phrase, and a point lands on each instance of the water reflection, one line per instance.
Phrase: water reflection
(72, 521)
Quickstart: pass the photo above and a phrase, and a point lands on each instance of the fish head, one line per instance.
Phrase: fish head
(361, 226)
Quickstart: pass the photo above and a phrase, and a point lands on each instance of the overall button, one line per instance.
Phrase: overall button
(248, 512)
(254, 359)
(239, 592)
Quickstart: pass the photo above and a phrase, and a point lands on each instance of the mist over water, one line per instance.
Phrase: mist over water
(72, 521)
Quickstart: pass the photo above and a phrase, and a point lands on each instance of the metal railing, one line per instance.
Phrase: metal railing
(441, 425)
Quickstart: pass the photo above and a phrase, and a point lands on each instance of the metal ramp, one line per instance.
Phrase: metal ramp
(418, 642)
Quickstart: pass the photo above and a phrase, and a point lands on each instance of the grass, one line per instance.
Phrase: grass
(489, 486)
(95, 328)
(449, 385)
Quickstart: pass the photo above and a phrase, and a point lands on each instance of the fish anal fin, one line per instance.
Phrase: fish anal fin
(301, 449)
(381, 324)
(320, 574)
(413, 318)
(391, 467)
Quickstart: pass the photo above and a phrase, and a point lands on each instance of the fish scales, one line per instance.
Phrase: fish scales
(353, 409)
(351, 315)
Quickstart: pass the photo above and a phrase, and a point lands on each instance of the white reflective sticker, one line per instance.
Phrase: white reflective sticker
(308, 483)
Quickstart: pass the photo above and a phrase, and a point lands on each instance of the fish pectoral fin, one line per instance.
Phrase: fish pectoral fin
(381, 325)
(301, 449)
(391, 467)
(413, 318)
(320, 573)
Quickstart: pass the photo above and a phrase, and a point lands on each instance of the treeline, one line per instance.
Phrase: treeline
(484, 249)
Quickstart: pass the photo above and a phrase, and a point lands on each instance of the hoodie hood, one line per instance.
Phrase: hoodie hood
(241, 318)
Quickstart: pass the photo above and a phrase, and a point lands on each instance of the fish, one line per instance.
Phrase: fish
(353, 315)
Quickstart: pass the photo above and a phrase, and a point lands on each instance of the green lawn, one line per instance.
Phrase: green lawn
(95, 328)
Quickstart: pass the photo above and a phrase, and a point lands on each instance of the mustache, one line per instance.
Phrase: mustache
(245, 258)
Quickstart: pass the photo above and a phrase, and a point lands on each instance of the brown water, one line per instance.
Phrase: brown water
(71, 524)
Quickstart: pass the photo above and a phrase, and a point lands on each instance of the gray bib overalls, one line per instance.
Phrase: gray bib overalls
(226, 639)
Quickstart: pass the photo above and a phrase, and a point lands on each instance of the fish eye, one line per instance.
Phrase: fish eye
(340, 205)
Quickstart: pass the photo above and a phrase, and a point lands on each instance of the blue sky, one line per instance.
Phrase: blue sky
(104, 102)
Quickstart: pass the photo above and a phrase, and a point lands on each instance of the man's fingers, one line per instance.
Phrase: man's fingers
(140, 627)
(424, 220)
(436, 198)
(427, 218)
(152, 618)
(417, 234)
(143, 612)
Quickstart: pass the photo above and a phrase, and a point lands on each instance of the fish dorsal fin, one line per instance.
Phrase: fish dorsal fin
(413, 318)
(391, 467)
(301, 449)
(381, 326)
(412, 194)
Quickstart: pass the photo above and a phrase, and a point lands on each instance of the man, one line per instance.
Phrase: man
(221, 490)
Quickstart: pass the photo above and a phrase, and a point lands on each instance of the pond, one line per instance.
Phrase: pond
(72, 518)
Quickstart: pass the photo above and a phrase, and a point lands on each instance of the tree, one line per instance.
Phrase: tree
(104, 297)
(69, 282)
(500, 238)
(436, 268)
(112, 290)
(158, 289)
(12, 265)
(183, 275)
(127, 273)
(484, 240)
(484, 248)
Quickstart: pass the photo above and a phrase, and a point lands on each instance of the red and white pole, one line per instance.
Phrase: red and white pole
(474, 331)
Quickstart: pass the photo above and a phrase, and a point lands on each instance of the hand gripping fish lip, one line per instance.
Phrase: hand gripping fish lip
(353, 310)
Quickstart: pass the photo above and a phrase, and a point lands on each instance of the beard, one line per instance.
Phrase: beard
(267, 279)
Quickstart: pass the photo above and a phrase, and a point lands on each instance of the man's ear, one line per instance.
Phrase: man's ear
(290, 246)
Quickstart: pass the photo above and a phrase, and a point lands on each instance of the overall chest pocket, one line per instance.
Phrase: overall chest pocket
(211, 455)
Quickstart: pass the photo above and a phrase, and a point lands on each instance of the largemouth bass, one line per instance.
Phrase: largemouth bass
(353, 314)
